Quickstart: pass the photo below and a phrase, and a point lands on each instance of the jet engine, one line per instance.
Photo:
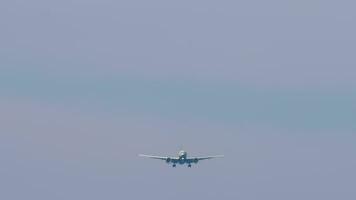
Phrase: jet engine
(195, 160)
(168, 160)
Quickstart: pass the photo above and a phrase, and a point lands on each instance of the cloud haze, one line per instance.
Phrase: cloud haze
(87, 85)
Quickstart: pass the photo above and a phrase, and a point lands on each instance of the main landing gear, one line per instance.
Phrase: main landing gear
(175, 165)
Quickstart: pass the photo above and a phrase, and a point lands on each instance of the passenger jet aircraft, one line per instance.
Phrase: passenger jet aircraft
(181, 159)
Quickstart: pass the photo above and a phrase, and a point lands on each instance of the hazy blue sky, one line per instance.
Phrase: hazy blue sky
(87, 85)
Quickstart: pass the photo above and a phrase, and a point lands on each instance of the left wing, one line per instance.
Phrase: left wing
(209, 157)
(196, 159)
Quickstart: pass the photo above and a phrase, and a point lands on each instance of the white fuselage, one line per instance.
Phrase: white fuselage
(182, 158)
(182, 155)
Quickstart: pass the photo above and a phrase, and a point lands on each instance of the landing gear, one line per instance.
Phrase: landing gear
(174, 165)
(189, 165)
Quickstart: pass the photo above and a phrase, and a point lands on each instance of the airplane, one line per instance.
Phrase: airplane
(181, 159)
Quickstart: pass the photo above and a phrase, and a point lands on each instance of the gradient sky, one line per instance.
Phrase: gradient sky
(85, 86)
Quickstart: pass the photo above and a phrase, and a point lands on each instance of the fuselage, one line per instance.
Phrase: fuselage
(182, 158)
(182, 155)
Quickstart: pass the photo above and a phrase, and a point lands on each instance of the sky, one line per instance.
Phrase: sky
(85, 86)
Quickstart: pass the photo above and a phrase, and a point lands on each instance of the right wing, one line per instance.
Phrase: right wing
(153, 157)
(167, 159)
